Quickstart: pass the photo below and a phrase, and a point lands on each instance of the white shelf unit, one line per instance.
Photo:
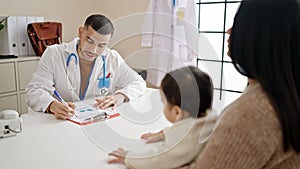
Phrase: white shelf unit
(15, 74)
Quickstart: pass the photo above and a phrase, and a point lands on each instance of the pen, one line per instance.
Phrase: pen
(108, 75)
(61, 100)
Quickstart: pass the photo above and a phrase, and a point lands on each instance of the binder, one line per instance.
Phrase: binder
(22, 35)
(39, 19)
(9, 37)
(13, 35)
(14, 40)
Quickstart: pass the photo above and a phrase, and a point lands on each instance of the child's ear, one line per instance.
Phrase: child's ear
(178, 113)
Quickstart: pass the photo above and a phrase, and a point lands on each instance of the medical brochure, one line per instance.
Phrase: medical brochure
(86, 114)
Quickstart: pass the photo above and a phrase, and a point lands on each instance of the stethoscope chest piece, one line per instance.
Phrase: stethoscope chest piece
(104, 91)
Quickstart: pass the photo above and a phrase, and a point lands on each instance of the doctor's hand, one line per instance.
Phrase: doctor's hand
(111, 101)
(153, 137)
(61, 110)
(119, 156)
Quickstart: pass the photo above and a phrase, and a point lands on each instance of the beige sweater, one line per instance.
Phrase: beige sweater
(248, 136)
(182, 144)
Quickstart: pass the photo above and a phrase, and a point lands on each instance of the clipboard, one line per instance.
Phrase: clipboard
(87, 114)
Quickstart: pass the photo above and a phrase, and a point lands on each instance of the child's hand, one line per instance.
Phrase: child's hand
(119, 155)
(153, 137)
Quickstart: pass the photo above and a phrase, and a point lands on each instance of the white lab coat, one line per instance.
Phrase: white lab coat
(51, 75)
(172, 34)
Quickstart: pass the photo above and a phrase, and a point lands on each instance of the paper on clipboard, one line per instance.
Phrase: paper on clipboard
(86, 114)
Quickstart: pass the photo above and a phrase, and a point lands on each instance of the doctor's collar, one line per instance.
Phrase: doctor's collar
(72, 46)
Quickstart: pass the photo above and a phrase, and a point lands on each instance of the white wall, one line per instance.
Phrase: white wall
(125, 14)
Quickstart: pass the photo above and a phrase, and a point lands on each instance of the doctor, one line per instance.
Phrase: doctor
(84, 68)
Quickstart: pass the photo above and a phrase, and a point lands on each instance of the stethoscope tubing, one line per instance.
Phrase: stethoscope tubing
(104, 89)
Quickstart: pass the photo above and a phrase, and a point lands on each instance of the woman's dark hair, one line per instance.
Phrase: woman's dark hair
(99, 23)
(189, 88)
(265, 45)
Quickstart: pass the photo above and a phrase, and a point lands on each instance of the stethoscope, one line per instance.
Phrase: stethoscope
(103, 89)
(72, 55)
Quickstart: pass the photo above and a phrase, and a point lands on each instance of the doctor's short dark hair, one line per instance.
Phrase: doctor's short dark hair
(189, 88)
(100, 23)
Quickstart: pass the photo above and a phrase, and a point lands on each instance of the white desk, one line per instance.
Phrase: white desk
(46, 142)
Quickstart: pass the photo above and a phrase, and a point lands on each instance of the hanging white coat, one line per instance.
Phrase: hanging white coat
(172, 33)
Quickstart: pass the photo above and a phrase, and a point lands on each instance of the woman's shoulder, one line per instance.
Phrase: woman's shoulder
(251, 111)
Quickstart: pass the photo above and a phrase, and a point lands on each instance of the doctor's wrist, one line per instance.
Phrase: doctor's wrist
(51, 106)
(122, 97)
(119, 98)
(48, 108)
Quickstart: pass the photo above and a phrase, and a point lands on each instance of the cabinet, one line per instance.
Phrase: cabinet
(15, 74)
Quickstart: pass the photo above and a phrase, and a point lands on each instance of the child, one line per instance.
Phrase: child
(187, 97)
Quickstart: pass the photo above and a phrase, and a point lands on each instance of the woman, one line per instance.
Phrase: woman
(261, 128)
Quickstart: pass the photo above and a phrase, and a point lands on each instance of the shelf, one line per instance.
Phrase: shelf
(17, 72)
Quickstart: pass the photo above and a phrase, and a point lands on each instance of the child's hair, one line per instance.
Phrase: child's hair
(189, 88)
